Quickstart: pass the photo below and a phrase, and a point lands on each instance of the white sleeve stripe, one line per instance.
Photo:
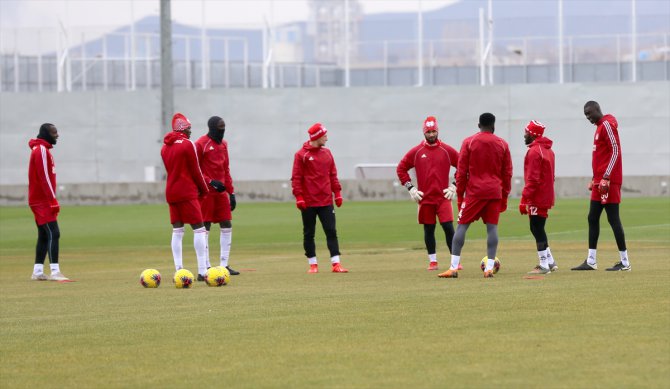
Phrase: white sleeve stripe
(46, 170)
(197, 160)
(615, 148)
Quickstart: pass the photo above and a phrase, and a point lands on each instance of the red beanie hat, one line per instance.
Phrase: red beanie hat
(180, 122)
(430, 124)
(317, 131)
(535, 128)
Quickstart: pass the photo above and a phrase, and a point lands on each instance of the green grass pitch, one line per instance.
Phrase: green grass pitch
(389, 323)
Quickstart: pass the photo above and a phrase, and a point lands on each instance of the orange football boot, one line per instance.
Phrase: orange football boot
(488, 274)
(451, 273)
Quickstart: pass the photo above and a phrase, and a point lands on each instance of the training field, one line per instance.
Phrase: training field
(389, 323)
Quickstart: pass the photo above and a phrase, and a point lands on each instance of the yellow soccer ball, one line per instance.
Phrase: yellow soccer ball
(150, 278)
(217, 276)
(496, 264)
(183, 279)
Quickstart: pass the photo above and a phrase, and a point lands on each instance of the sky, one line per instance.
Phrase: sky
(230, 13)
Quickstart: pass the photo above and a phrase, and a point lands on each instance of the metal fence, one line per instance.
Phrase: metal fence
(90, 65)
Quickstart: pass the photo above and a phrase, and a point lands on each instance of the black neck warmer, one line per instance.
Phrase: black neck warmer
(214, 133)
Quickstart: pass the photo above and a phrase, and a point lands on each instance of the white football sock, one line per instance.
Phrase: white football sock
(543, 259)
(624, 257)
(177, 236)
(199, 244)
(455, 260)
(489, 264)
(591, 260)
(54, 268)
(225, 239)
(312, 261)
(550, 258)
(432, 257)
(38, 268)
(207, 250)
(335, 259)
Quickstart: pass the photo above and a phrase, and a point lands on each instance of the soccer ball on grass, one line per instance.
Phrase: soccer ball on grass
(217, 276)
(496, 264)
(150, 278)
(183, 279)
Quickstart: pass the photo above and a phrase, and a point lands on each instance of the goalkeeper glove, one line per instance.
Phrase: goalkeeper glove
(450, 192)
(218, 185)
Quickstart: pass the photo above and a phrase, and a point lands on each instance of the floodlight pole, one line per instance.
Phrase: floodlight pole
(560, 42)
(419, 49)
(346, 44)
(633, 40)
(167, 98)
(204, 48)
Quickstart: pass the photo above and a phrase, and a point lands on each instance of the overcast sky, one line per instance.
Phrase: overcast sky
(231, 13)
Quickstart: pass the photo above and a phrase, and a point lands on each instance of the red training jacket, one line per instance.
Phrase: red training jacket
(484, 168)
(41, 174)
(538, 174)
(431, 164)
(314, 176)
(184, 177)
(607, 151)
(214, 161)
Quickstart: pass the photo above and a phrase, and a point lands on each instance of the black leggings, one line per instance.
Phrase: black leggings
(327, 217)
(612, 211)
(429, 235)
(47, 242)
(537, 228)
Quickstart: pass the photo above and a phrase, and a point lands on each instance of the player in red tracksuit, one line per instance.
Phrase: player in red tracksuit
(605, 186)
(483, 183)
(43, 202)
(431, 161)
(185, 184)
(218, 205)
(537, 196)
(314, 181)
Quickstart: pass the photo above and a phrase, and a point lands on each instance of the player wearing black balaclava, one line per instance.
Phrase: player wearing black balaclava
(217, 207)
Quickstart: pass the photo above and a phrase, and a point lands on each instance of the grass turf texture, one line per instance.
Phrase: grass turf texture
(388, 323)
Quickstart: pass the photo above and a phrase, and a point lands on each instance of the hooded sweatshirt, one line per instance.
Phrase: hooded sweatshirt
(314, 176)
(41, 174)
(538, 174)
(185, 181)
(607, 151)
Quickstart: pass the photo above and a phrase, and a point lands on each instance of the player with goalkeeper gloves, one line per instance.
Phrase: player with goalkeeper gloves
(431, 160)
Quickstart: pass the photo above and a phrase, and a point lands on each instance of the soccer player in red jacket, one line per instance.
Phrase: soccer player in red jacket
(431, 160)
(483, 183)
(185, 184)
(605, 186)
(537, 196)
(218, 205)
(314, 181)
(43, 202)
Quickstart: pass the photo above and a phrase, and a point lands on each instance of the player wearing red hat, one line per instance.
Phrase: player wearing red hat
(605, 186)
(483, 182)
(314, 181)
(218, 205)
(185, 183)
(432, 160)
(43, 202)
(538, 191)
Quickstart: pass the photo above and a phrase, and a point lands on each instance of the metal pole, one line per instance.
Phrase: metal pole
(246, 64)
(633, 40)
(39, 61)
(187, 64)
(618, 58)
(147, 51)
(82, 61)
(104, 63)
(560, 42)
(167, 98)
(16, 61)
(346, 44)
(419, 53)
(132, 46)
(227, 63)
(482, 72)
(203, 49)
(490, 53)
(386, 63)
